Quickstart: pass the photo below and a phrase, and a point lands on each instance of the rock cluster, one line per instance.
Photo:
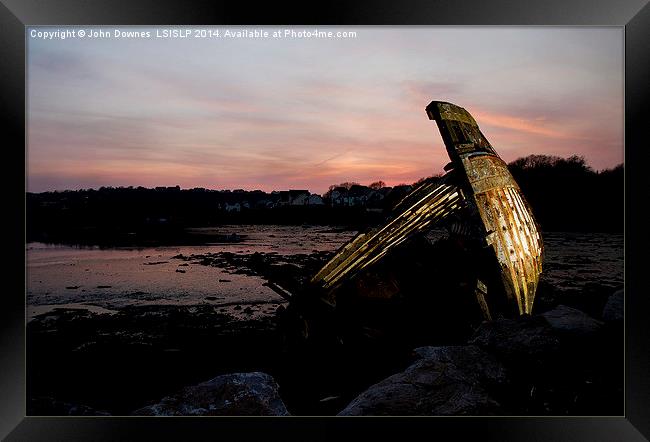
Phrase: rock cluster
(237, 394)
(533, 364)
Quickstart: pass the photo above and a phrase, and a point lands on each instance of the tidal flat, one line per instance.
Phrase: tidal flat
(111, 330)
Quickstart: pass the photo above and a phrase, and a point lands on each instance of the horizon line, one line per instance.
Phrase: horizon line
(250, 189)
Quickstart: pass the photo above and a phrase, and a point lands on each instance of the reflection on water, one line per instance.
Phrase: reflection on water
(112, 278)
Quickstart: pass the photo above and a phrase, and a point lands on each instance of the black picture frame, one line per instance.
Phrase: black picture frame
(633, 15)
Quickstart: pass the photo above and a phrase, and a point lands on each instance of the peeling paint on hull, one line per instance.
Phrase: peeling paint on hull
(510, 228)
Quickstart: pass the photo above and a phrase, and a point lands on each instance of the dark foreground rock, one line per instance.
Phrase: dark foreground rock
(446, 381)
(238, 394)
(614, 307)
(523, 340)
(121, 362)
(560, 362)
(572, 322)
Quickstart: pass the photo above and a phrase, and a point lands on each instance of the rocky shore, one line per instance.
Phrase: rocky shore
(207, 359)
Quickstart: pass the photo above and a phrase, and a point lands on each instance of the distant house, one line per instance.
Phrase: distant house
(284, 199)
(356, 195)
(397, 193)
(232, 207)
(264, 204)
(293, 197)
(337, 196)
(402, 189)
(299, 197)
(377, 196)
(315, 200)
(238, 201)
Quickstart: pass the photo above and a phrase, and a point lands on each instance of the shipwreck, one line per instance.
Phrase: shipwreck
(486, 215)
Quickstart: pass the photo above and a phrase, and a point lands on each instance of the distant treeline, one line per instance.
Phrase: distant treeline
(138, 215)
(565, 194)
(568, 195)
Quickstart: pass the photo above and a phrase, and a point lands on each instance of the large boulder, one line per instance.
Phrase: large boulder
(614, 307)
(444, 381)
(237, 394)
(525, 340)
(568, 321)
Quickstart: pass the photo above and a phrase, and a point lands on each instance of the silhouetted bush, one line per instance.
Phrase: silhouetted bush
(566, 194)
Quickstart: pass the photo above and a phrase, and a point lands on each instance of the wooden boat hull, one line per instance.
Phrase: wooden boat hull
(478, 182)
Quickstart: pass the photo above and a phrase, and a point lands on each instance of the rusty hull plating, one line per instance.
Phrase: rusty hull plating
(477, 179)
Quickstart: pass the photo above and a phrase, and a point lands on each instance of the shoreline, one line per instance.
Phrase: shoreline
(145, 347)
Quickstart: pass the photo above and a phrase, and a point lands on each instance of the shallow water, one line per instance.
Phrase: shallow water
(107, 279)
(65, 276)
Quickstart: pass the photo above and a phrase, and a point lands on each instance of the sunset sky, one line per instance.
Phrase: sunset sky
(306, 113)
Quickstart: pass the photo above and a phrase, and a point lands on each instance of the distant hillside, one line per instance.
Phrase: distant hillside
(565, 194)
